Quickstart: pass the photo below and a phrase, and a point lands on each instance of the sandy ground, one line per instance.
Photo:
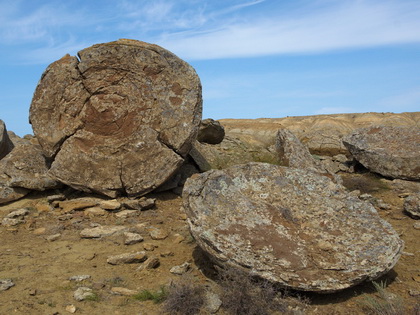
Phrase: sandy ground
(41, 268)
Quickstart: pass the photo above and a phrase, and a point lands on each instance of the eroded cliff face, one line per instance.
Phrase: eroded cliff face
(322, 134)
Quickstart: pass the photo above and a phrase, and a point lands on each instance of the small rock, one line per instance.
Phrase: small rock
(71, 309)
(178, 238)
(122, 291)
(110, 204)
(95, 212)
(407, 254)
(146, 203)
(181, 269)
(355, 193)
(158, 234)
(43, 207)
(416, 225)
(366, 197)
(83, 293)
(132, 238)
(53, 237)
(6, 284)
(78, 204)
(20, 213)
(382, 205)
(79, 278)
(213, 302)
(167, 253)
(126, 213)
(127, 258)
(149, 247)
(151, 263)
(414, 292)
(11, 222)
(102, 231)
(58, 197)
(32, 292)
(412, 205)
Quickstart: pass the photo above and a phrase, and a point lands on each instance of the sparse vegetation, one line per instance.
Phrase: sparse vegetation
(155, 296)
(184, 297)
(384, 303)
(244, 295)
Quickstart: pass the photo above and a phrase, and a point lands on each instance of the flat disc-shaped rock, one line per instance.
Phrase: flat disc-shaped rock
(121, 118)
(290, 226)
(389, 151)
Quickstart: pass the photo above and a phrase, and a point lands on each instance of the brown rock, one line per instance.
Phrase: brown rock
(158, 234)
(211, 132)
(121, 119)
(6, 144)
(24, 169)
(290, 226)
(78, 204)
(390, 151)
(293, 153)
(412, 205)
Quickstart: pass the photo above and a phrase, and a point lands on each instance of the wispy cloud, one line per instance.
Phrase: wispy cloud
(207, 29)
(341, 25)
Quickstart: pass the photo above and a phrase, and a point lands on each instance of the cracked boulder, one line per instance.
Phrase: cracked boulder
(119, 119)
(290, 226)
(390, 151)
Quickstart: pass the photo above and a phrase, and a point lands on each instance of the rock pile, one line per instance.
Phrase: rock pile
(120, 119)
(291, 226)
(390, 151)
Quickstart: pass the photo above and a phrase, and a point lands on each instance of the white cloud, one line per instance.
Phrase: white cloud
(342, 25)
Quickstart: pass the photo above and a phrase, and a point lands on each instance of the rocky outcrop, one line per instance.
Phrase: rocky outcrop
(322, 134)
(6, 144)
(211, 132)
(119, 120)
(390, 151)
(26, 167)
(290, 226)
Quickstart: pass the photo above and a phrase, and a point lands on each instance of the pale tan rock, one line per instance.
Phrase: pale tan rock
(126, 214)
(158, 234)
(102, 231)
(78, 204)
(110, 204)
(119, 120)
(132, 238)
(127, 258)
(122, 291)
(39, 231)
(95, 212)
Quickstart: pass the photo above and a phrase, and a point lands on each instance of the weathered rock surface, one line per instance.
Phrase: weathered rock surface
(293, 153)
(211, 132)
(390, 151)
(8, 193)
(412, 205)
(290, 226)
(6, 144)
(26, 167)
(120, 120)
(83, 293)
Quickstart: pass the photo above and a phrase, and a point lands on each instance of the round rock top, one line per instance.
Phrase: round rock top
(289, 226)
(391, 151)
(118, 119)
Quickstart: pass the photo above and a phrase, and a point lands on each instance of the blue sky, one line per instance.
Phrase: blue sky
(255, 58)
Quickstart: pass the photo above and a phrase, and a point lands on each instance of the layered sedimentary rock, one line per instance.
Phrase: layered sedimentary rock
(118, 119)
(290, 226)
